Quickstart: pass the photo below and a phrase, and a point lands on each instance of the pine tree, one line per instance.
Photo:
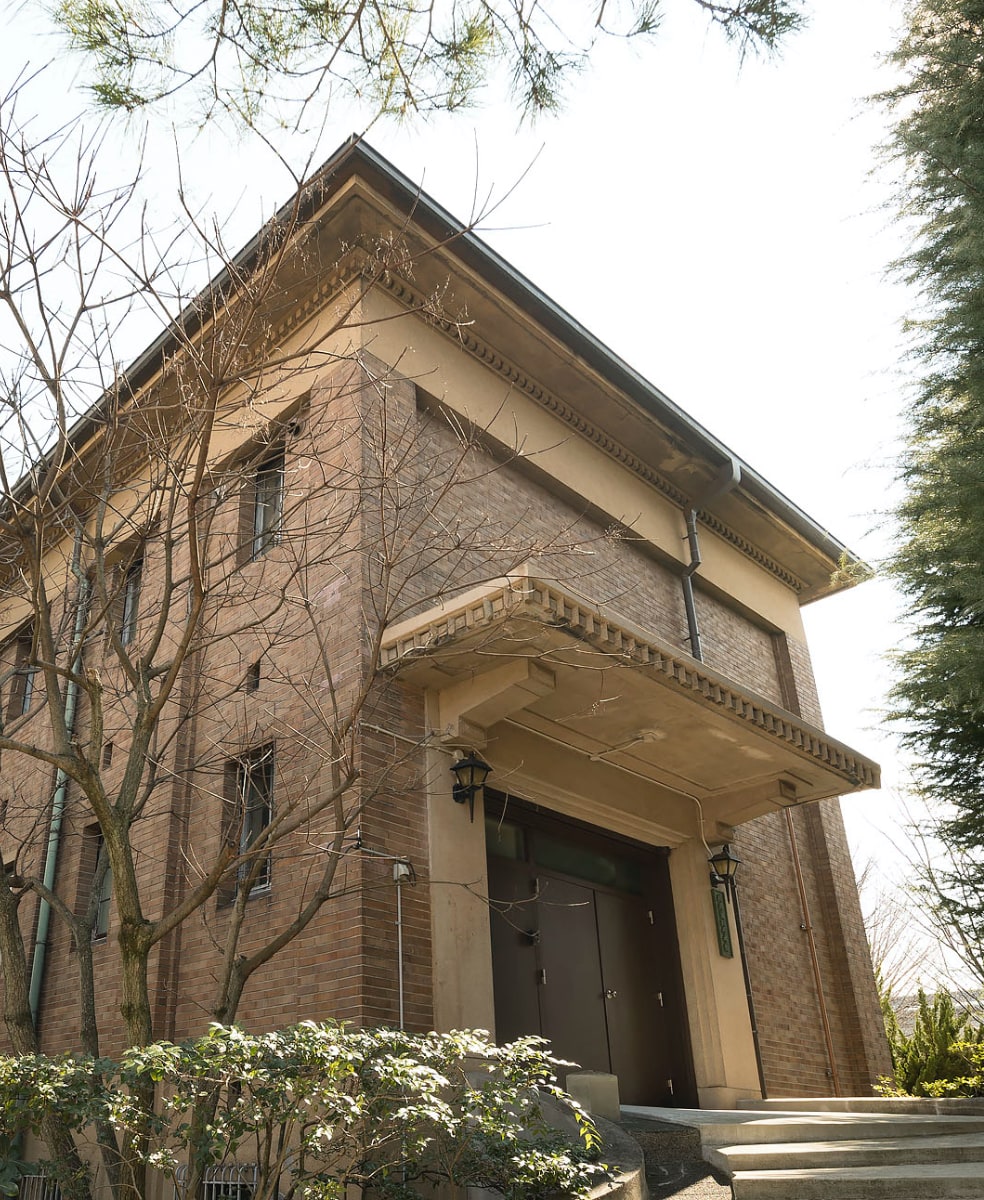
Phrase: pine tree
(939, 563)
(394, 57)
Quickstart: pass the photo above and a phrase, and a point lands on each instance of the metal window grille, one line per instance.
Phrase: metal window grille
(236, 1181)
(38, 1187)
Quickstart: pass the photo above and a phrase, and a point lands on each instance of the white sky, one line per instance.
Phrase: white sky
(719, 229)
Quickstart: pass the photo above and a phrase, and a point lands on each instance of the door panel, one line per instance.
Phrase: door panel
(637, 1030)
(513, 919)
(570, 921)
(572, 1003)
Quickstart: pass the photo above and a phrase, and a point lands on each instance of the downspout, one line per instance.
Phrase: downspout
(727, 478)
(60, 795)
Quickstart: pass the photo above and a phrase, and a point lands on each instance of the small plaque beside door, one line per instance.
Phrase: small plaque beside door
(721, 923)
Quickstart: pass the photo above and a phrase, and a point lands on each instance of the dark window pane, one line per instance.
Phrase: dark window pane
(573, 858)
(505, 840)
(255, 789)
(131, 599)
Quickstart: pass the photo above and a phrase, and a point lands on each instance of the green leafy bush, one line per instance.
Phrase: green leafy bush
(320, 1107)
(944, 1054)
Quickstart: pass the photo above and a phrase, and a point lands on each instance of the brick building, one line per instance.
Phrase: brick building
(434, 516)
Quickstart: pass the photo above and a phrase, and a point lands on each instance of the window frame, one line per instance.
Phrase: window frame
(92, 847)
(100, 926)
(250, 786)
(131, 585)
(21, 695)
(268, 492)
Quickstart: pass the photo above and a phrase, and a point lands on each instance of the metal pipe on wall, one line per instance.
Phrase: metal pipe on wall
(749, 998)
(727, 478)
(59, 795)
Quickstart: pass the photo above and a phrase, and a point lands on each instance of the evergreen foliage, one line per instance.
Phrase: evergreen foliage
(941, 1055)
(318, 1111)
(939, 563)
(395, 56)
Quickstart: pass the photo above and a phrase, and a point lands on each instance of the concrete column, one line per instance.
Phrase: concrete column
(720, 1029)
(462, 947)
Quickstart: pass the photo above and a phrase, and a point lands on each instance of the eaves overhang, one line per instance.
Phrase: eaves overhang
(836, 566)
(756, 504)
(529, 654)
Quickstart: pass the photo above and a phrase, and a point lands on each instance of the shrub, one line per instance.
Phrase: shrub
(320, 1107)
(944, 1054)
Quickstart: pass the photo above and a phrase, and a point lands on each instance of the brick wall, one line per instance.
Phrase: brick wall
(791, 1003)
(388, 508)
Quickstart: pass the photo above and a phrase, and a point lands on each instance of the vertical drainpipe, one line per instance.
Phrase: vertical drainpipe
(59, 795)
(727, 478)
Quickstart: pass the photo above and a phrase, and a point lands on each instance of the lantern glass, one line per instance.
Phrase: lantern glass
(724, 863)
(471, 772)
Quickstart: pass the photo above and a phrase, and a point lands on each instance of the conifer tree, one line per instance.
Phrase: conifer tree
(394, 57)
(939, 562)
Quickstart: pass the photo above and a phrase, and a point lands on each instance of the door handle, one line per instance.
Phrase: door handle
(610, 993)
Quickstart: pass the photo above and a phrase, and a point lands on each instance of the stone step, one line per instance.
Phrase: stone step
(836, 1154)
(725, 1127)
(951, 1106)
(663, 1141)
(865, 1152)
(955, 1181)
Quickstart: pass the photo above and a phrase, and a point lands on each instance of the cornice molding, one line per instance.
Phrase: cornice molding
(355, 266)
(522, 595)
(465, 338)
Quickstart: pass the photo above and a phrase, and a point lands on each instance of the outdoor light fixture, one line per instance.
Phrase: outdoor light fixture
(724, 866)
(470, 774)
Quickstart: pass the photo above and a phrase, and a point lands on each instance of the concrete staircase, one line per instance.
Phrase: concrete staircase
(862, 1149)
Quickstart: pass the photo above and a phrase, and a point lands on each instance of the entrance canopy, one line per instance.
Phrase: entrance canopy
(547, 667)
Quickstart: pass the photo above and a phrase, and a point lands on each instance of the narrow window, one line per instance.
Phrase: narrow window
(268, 504)
(95, 882)
(131, 600)
(253, 677)
(22, 687)
(104, 894)
(250, 789)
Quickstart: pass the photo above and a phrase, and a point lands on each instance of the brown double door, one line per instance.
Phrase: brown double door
(584, 952)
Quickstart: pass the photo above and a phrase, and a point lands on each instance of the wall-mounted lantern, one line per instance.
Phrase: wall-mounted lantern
(724, 864)
(470, 774)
